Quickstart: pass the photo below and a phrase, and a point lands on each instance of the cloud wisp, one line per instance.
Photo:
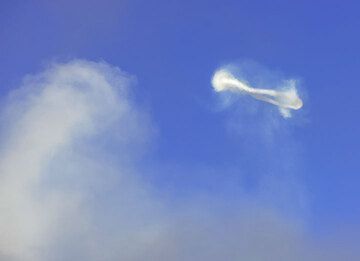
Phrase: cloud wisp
(286, 99)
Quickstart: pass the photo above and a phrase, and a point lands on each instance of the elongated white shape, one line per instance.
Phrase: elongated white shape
(285, 99)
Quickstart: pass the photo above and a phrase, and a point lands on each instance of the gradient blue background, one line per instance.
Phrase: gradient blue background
(173, 47)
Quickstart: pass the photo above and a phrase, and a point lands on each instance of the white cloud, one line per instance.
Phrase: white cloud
(285, 98)
(47, 120)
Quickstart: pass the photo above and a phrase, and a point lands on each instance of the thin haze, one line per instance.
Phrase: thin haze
(64, 197)
(286, 99)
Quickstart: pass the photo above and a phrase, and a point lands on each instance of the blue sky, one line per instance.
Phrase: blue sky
(173, 49)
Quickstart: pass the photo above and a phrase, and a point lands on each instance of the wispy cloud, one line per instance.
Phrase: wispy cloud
(285, 96)
(45, 175)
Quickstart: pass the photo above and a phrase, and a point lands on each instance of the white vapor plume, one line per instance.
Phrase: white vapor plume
(72, 186)
(286, 99)
(46, 119)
